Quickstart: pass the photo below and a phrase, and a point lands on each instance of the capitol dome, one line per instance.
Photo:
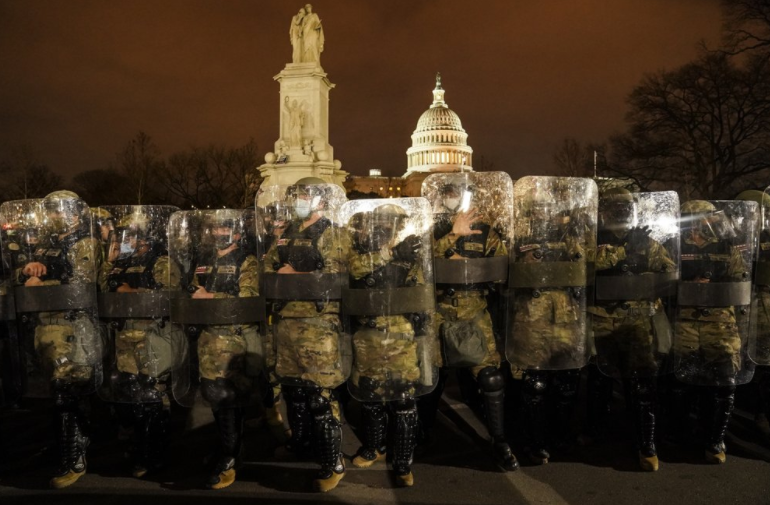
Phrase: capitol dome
(439, 143)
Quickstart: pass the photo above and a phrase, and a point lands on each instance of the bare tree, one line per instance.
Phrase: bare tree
(574, 159)
(140, 163)
(746, 26)
(703, 129)
(211, 177)
(23, 175)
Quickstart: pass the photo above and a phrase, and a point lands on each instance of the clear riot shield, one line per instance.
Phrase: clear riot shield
(305, 269)
(637, 269)
(551, 266)
(389, 301)
(472, 230)
(54, 278)
(219, 306)
(146, 355)
(760, 351)
(10, 360)
(715, 325)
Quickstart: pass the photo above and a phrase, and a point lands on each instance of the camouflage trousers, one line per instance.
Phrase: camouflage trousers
(625, 346)
(465, 328)
(712, 344)
(549, 331)
(385, 362)
(144, 347)
(67, 349)
(308, 349)
(232, 352)
(761, 352)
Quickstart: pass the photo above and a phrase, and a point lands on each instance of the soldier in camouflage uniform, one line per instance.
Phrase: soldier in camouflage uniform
(626, 330)
(307, 334)
(138, 262)
(224, 269)
(547, 333)
(707, 339)
(66, 254)
(386, 368)
(463, 321)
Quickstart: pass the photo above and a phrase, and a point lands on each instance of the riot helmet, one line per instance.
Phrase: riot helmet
(385, 222)
(457, 194)
(307, 195)
(65, 211)
(701, 220)
(225, 227)
(134, 234)
(617, 209)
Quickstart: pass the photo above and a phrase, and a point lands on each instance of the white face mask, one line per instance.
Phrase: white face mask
(302, 208)
(126, 249)
(452, 203)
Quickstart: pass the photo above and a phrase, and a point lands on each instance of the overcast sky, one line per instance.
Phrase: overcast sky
(78, 79)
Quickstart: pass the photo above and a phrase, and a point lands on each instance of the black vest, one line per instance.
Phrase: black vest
(52, 252)
(220, 274)
(709, 262)
(300, 248)
(136, 271)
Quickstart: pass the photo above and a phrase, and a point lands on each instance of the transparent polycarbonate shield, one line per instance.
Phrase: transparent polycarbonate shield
(10, 360)
(55, 263)
(305, 269)
(472, 232)
(637, 269)
(389, 301)
(219, 305)
(760, 351)
(715, 319)
(146, 355)
(551, 267)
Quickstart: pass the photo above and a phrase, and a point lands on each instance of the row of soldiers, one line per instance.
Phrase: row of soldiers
(307, 292)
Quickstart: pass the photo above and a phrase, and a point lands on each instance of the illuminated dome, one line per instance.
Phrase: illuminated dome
(439, 143)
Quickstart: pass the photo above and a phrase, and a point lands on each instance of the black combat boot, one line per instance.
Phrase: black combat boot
(534, 395)
(642, 402)
(374, 427)
(72, 442)
(405, 427)
(328, 444)
(229, 422)
(598, 404)
(720, 402)
(300, 424)
(493, 388)
(150, 431)
(565, 384)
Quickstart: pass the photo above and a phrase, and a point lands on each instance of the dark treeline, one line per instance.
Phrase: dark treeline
(199, 177)
(702, 129)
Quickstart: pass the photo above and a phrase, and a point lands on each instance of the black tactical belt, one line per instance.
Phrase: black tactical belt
(7, 308)
(55, 298)
(714, 294)
(387, 302)
(151, 304)
(471, 270)
(293, 287)
(636, 287)
(762, 274)
(547, 274)
(246, 310)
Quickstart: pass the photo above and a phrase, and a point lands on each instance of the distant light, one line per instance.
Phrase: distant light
(375, 172)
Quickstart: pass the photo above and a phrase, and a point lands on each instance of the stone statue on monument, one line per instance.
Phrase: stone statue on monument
(307, 36)
(296, 121)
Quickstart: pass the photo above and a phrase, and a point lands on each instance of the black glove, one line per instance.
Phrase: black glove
(638, 240)
(407, 250)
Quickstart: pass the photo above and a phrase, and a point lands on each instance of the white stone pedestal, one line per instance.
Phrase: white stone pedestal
(303, 148)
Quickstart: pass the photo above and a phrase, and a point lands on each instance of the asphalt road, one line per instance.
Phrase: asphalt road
(456, 469)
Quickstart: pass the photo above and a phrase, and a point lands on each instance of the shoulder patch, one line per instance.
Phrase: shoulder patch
(227, 270)
(13, 246)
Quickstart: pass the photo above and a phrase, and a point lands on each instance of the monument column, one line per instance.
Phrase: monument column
(303, 149)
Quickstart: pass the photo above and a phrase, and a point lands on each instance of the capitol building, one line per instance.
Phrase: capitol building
(439, 144)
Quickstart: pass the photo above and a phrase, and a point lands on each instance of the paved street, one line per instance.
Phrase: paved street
(455, 470)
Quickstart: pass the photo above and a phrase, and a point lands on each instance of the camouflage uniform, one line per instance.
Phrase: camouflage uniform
(630, 335)
(145, 353)
(307, 335)
(464, 325)
(229, 356)
(67, 344)
(707, 339)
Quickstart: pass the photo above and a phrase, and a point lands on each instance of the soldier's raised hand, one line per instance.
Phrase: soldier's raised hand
(638, 239)
(34, 269)
(463, 222)
(408, 249)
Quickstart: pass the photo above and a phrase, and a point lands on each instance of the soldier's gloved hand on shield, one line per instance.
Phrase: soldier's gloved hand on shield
(408, 249)
(638, 240)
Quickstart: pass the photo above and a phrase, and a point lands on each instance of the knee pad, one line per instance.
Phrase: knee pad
(405, 405)
(218, 393)
(320, 405)
(535, 383)
(566, 382)
(491, 380)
